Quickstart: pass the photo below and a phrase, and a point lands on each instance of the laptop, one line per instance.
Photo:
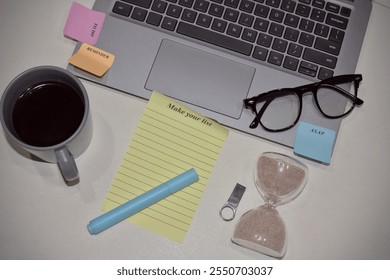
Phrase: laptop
(212, 54)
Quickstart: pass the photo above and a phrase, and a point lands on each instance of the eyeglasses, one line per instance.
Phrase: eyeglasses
(279, 110)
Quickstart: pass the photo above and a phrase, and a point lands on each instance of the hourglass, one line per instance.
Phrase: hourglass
(279, 179)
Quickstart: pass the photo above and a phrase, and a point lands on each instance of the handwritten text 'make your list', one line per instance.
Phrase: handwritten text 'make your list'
(189, 115)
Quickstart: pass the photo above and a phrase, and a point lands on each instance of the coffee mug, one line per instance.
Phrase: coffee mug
(45, 110)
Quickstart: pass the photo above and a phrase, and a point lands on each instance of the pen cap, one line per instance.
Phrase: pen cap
(185, 179)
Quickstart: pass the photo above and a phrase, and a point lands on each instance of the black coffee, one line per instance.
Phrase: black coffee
(47, 113)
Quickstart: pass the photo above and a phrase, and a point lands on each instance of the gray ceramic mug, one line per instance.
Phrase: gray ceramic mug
(41, 130)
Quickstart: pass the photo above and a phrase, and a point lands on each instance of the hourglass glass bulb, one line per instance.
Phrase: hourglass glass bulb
(279, 178)
(262, 230)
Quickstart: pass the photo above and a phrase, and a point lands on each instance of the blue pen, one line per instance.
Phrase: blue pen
(139, 203)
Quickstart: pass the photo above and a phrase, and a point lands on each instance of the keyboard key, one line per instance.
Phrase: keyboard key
(122, 9)
(307, 2)
(201, 5)
(276, 15)
(234, 30)
(319, 3)
(291, 63)
(275, 58)
(141, 3)
(307, 72)
(247, 6)
(306, 25)
(332, 7)
(346, 12)
(231, 15)
(214, 38)
(139, 14)
(204, 20)
(232, 3)
(320, 58)
(261, 24)
(159, 6)
(273, 3)
(249, 35)
(276, 29)
(264, 40)
(318, 15)
(169, 23)
(279, 45)
(288, 5)
(262, 11)
(327, 46)
(306, 39)
(291, 34)
(325, 73)
(321, 30)
(246, 20)
(309, 65)
(189, 15)
(154, 19)
(174, 11)
(291, 20)
(186, 3)
(336, 35)
(303, 10)
(295, 50)
(216, 10)
(219, 25)
(337, 21)
(260, 53)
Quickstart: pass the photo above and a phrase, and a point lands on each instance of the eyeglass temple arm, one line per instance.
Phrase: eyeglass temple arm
(256, 120)
(355, 78)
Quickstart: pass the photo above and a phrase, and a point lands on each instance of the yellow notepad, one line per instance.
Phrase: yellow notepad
(170, 139)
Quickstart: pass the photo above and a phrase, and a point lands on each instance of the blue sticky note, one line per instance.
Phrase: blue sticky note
(314, 142)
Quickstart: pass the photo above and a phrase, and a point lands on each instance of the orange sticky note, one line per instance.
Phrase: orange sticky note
(92, 60)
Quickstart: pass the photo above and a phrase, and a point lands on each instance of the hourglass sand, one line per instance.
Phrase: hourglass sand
(279, 179)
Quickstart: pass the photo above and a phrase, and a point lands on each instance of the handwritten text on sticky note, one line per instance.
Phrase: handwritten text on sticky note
(314, 142)
(92, 60)
(84, 24)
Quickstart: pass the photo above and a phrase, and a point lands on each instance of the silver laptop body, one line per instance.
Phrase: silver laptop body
(176, 57)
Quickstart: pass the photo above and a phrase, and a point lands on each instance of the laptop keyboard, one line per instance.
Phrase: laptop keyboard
(303, 36)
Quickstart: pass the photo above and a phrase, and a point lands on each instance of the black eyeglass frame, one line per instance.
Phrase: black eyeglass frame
(331, 82)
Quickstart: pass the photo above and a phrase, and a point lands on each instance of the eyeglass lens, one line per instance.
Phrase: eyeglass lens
(333, 101)
(281, 112)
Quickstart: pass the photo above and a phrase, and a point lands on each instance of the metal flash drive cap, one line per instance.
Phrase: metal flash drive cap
(232, 202)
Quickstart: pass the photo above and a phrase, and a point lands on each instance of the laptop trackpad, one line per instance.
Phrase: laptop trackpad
(200, 78)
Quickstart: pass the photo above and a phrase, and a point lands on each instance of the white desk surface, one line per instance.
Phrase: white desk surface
(343, 212)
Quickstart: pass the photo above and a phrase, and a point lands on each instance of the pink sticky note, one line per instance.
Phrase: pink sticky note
(84, 24)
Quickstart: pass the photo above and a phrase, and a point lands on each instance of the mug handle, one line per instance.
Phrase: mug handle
(67, 164)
